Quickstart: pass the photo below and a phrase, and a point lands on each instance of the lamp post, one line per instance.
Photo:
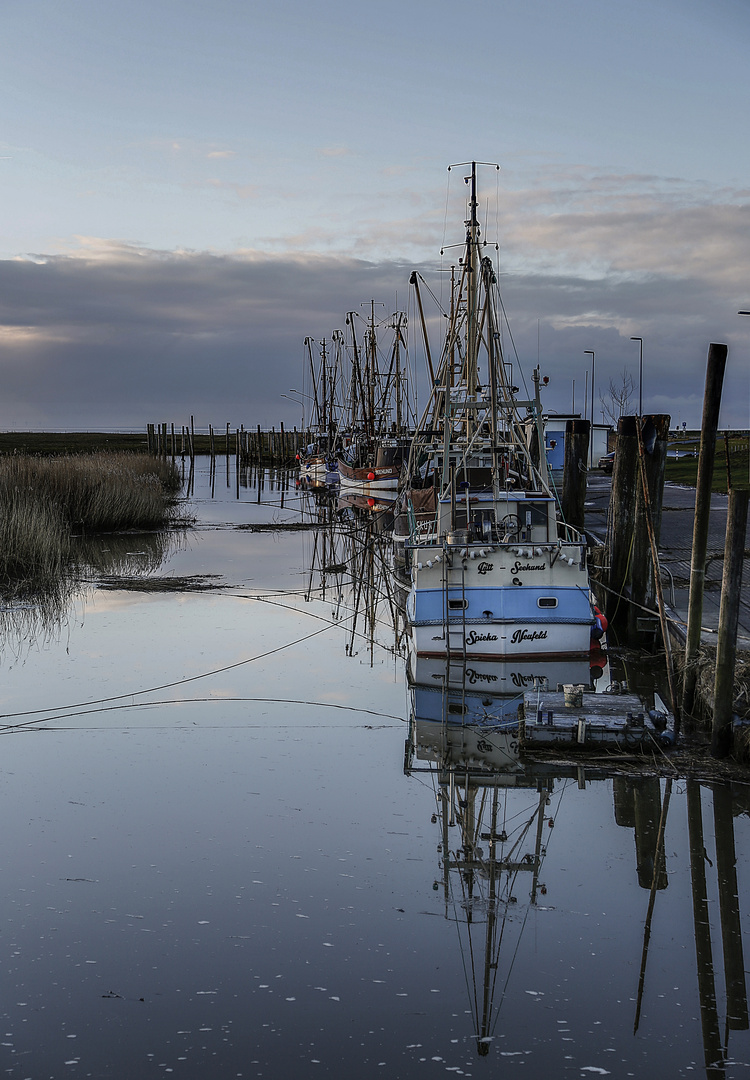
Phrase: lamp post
(590, 352)
(297, 401)
(640, 375)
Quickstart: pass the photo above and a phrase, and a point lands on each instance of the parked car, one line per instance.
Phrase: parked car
(607, 463)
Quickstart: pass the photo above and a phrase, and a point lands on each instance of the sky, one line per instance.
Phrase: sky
(190, 189)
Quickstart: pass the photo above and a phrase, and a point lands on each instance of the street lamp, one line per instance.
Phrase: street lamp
(640, 376)
(590, 352)
(297, 402)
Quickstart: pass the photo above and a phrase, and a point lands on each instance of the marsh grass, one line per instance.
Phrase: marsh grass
(45, 503)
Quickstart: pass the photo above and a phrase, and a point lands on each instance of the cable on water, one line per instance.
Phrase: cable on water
(169, 685)
(193, 678)
(11, 728)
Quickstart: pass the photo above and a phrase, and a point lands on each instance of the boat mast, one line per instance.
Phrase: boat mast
(309, 342)
(357, 395)
(371, 369)
(472, 292)
(324, 387)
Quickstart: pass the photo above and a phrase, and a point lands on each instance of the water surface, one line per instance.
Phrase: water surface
(214, 860)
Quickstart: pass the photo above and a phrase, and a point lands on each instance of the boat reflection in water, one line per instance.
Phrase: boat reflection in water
(471, 714)
(466, 730)
(465, 724)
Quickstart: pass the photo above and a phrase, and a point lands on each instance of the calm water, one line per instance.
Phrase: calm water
(215, 863)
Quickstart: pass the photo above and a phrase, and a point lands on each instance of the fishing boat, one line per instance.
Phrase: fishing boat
(317, 461)
(373, 446)
(495, 571)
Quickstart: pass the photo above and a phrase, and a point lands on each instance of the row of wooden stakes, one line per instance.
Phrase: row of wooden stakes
(269, 447)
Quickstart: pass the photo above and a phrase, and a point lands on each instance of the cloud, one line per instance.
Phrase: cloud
(118, 336)
(221, 154)
(115, 334)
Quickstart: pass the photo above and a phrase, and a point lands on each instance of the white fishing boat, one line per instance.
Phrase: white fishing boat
(496, 573)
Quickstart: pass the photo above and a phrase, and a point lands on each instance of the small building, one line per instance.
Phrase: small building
(602, 441)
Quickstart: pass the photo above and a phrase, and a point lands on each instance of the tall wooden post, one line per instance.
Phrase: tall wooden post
(622, 514)
(642, 582)
(577, 434)
(717, 361)
(729, 613)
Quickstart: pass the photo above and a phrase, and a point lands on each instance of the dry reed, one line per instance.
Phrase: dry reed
(45, 502)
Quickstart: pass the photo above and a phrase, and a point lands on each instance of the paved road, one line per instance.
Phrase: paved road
(675, 549)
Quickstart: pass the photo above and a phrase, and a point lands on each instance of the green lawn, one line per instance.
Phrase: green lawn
(685, 470)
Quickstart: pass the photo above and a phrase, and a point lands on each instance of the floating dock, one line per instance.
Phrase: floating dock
(576, 719)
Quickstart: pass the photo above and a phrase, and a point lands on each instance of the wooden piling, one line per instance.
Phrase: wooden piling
(577, 434)
(729, 612)
(643, 584)
(645, 506)
(622, 513)
(716, 365)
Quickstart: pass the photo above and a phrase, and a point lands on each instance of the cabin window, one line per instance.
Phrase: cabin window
(460, 518)
(456, 709)
(547, 601)
(534, 521)
(460, 604)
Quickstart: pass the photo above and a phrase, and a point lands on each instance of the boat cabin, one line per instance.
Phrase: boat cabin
(515, 517)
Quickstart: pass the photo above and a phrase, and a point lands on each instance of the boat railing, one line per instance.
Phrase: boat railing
(422, 532)
(569, 534)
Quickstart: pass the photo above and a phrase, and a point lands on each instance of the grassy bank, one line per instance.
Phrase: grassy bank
(86, 442)
(70, 442)
(684, 470)
(45, 502)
